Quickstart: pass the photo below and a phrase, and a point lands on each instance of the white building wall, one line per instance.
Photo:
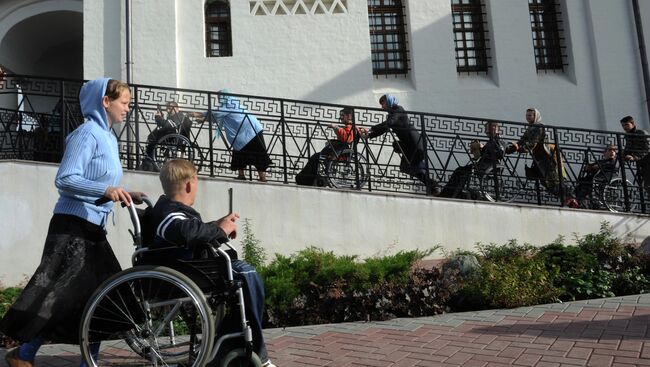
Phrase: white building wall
(326, 57)
(289, 218)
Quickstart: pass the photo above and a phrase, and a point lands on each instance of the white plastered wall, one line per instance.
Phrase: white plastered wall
(326, 57)
(287, 218)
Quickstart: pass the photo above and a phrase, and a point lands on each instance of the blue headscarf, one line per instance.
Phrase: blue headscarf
(391, 100)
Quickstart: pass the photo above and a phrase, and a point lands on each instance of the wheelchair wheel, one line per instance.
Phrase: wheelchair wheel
(509, 187)
(341, 170)
(237, 358)
(147, 315)
(612, 194)
(173, 146)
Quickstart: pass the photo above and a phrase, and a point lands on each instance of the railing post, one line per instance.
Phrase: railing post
(621, 165)
(129, 134)
(423, 136)
(211, 133)
(137, 128)
(559, 167)
(285, 170)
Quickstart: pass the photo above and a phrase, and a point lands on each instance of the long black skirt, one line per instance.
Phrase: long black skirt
(76, 259)
(252, 154)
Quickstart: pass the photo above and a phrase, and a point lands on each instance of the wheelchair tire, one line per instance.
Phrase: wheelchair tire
(613, 196)
(341, 171)
(173, 146)
(237, 357)
(510, 187)
(147, 315)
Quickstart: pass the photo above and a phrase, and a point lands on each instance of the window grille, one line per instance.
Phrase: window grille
(388, 37)
(218, 38)
(470, 36)
(546, 24)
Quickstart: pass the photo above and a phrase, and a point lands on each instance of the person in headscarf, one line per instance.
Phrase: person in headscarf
(77, 257)
(245, 135)
(545, 162)
(409, 143)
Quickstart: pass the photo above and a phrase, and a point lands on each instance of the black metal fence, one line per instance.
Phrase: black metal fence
(37, 113)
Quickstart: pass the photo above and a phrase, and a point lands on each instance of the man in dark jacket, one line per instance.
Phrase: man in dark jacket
(176, 121)
(409, 143)
(636, 150)
(177, 224)
(486, 157)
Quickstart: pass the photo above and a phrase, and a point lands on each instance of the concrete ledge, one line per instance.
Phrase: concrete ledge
(287, 218)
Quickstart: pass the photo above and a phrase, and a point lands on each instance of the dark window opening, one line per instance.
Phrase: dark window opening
(388, 43)
(218, 38)
(546, 24)
(470, 36)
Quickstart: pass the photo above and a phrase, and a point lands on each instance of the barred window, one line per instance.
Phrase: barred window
(218, 39)
(470, 36)
(545, 21)
(388, 37)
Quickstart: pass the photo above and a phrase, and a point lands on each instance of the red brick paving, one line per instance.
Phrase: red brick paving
(590, 336)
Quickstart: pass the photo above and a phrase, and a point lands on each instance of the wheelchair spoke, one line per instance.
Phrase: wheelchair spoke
(149, 317)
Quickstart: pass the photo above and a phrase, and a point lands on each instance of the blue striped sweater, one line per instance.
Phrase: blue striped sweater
(91, 160)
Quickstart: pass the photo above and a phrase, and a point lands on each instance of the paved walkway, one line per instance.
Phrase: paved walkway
(603, 332)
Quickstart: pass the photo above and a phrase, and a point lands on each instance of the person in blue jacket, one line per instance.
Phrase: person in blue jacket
(244, 133)
(76, 257)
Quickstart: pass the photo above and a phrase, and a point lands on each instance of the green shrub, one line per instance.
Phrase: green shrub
(315, 286)
(7, 298)
(510, 276)
(253, 252)
(610, 252)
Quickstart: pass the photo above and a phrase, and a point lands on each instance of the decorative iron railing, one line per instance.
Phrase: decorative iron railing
(37, 113)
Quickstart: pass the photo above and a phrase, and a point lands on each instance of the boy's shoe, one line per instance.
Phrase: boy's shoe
(268, 364)
(572, 203)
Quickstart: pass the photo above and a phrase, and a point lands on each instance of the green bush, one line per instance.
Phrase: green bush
(253, 252)
(509, 276)
(610, 252)
(315, 286)
(7, 298)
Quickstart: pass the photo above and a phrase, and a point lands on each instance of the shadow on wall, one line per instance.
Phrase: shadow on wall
(342, 87)
(112, 41)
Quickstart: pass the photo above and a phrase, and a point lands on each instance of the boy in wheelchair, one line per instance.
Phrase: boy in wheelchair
(309, 175)
(179, 226)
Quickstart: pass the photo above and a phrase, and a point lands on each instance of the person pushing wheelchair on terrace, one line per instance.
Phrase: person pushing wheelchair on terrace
(545, 158)
(409, 143)
(177, 224)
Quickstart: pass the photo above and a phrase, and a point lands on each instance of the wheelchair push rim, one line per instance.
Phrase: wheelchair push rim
(148, 315)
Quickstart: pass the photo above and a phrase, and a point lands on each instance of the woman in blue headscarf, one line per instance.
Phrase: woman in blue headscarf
(409, 143)
(77, 257)
(245, 134)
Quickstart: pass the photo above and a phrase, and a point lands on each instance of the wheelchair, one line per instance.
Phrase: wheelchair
(167, 312)
(605, 190)
(338, 169)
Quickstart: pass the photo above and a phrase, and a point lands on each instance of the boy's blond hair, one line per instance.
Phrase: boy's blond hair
(174, 173)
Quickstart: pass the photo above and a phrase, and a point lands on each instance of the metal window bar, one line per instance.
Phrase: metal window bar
(548, 43)
(218, 37)
(470, 36)
(388, 38)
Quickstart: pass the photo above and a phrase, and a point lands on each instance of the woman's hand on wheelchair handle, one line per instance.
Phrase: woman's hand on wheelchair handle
(118, 194)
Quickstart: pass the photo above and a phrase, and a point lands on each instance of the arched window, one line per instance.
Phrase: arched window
(218, 38)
